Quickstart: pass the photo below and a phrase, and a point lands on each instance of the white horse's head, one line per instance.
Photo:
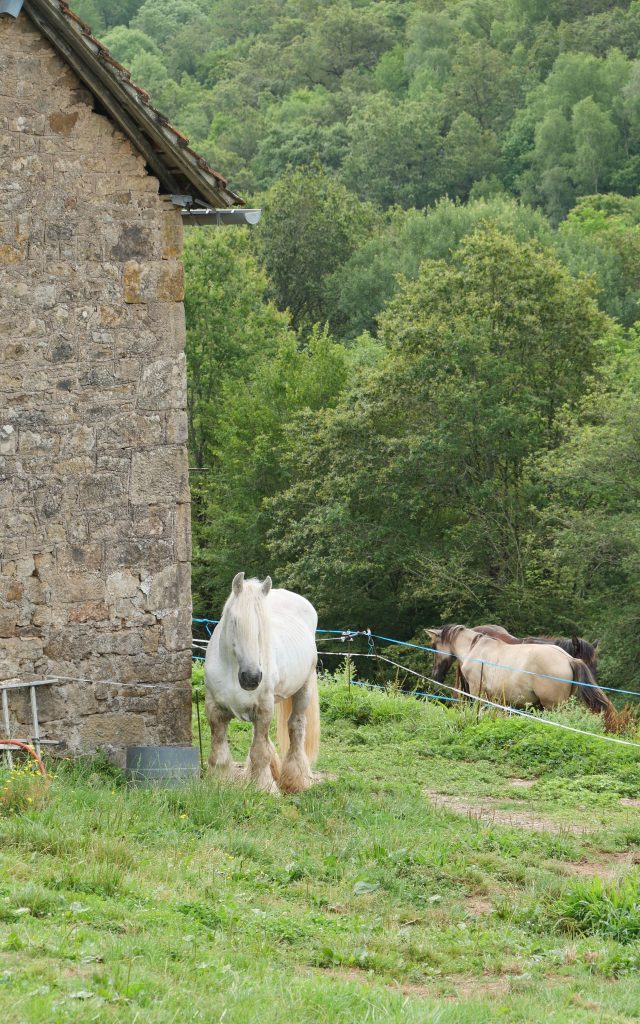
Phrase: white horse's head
(247, 624)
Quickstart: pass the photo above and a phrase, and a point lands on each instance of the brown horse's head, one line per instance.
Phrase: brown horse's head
(440, 643)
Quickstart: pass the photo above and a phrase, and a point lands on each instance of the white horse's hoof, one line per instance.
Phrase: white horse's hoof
(295, 775)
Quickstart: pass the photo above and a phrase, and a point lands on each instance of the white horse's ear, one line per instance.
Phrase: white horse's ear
(433, 633)
(238, 580)
(266, 586)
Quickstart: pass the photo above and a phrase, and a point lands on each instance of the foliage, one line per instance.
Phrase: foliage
(597, 908)
(21, 788)
(406, 104)
(311, 226)
(593, 561)
(412, 444)
(413, 493)
(601, 236)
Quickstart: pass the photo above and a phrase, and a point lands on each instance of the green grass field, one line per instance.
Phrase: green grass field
(450, 869)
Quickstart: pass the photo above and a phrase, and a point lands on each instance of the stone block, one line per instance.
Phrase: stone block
(160, 474)
(177, 627)
(123, 583)
(132, 281)
(89, 555)
(163, 384)
(168, 589)
(146, 554)
(172, 234)
(8, 622)
(89, 611)
(121, 729)
(71, 588)
(176, 426)
(101, 489)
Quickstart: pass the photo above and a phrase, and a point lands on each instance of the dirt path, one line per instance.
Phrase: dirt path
(487, 809)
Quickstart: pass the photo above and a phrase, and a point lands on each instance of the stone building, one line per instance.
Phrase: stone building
(94, 493)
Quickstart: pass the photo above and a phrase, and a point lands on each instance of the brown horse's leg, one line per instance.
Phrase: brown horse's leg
(462, 686)
(258, 767)
(296, 770)
(220, 756)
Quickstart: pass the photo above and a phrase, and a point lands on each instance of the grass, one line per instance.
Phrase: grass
(359, 900)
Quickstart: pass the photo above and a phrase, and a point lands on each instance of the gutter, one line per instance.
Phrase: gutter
(11, 7)
(219, 217)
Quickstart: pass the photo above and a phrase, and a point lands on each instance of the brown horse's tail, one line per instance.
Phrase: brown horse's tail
(312, 723)
(595, 698)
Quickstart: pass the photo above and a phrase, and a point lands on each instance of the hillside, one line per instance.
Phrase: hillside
(406, 102)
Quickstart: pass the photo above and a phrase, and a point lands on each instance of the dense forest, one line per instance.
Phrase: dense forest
(415, 388)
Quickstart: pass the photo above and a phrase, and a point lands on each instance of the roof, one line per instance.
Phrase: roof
(167, 152)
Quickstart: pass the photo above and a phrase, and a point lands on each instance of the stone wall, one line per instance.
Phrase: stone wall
(94, 494)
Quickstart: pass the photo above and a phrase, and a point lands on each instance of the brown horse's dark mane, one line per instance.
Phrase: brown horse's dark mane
(451, 630)
(574, 646)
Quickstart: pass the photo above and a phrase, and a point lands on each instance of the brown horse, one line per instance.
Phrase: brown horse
(517, 674)
(573, 646)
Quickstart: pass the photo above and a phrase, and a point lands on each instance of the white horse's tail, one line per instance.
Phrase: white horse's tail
(312, 723)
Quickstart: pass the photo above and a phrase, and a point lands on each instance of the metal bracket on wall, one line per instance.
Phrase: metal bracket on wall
(11, 7)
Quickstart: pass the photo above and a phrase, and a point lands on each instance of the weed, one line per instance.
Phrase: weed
(609, 909)
(22, 788)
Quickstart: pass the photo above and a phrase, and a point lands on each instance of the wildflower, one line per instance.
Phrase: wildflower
(183, 815)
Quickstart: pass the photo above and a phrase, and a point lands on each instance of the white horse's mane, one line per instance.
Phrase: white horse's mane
(250, 614)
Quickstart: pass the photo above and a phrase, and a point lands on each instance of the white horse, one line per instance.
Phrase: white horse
(263, 653)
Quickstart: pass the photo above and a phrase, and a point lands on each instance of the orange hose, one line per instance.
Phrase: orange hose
(31, 751)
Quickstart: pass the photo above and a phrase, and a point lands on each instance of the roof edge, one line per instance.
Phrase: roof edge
(165, 149)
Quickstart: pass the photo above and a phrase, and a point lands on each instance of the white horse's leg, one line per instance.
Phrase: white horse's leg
(295, 774)
(258, 766)
(220, 756)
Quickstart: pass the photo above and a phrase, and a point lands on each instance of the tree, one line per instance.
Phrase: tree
(600, 236)
(162, 19)
(359, 289)
(413, 493)
(91, 12)
(484, 84)
(250, 466)
(127, 43)
(588, 566)
(306, 127)
(344, 38)
(393, 154)
(229, 325)
(596, 140)
(470, 154)
(310, 226)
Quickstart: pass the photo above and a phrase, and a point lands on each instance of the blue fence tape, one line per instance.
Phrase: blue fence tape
(351, 634)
